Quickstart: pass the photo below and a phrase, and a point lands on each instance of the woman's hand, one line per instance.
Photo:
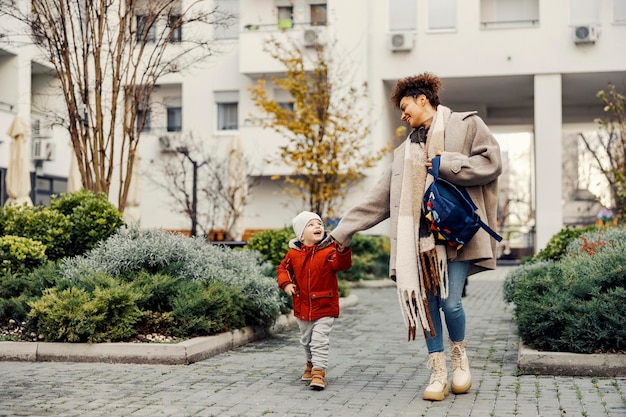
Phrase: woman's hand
(429, 161)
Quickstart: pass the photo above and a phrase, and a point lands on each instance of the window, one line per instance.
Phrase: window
(142, 29)
(619, 11)
(289, 106)
(509, 13)
(143, 120)
(227, 110)
(402, 15)
(174, 119)
(230, 28)
(441, 14)
(227, 116)
(584, 12)
(285, 17)
(173, 21)
(318, 15)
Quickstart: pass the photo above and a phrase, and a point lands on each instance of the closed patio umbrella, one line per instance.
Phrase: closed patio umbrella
(74, 180)
(132, 210)
(18, 172)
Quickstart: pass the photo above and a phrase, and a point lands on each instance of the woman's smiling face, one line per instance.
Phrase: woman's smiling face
(414, 110)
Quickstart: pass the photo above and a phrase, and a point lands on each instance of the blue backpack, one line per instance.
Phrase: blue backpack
(451, 211)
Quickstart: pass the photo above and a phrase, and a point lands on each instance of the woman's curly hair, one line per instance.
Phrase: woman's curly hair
(415, 85)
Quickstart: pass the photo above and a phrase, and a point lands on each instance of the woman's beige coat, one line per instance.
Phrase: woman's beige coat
(472, 159)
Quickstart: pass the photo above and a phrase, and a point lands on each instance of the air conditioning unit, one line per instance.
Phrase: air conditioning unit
(43, 150)
(313, 37)
(401, 41)
(585, 34)
(167, 143)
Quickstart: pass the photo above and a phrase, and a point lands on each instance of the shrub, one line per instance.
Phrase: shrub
(204, 310)
(370, 258)
(576, 303)
(533, 269)
(557, 245)
(132, 250)
(107, 314)
(43, 224)
(592, 240)
(156, 290)
(18, 289)
(20, 254)
(92, 219)
(271, 244)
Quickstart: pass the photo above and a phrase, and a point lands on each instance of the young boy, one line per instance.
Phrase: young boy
(308, 273)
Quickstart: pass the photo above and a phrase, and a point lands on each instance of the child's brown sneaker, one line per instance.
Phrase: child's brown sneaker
(318, 382)
(308, 372)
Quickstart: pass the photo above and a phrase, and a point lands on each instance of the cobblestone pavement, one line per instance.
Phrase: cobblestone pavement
(373, 371)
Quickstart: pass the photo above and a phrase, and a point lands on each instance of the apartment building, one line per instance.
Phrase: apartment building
(529, 67)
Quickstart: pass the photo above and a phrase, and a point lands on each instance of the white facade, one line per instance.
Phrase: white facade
(525, 66)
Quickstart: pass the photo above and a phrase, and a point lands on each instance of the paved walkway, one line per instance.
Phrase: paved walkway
(373, 371)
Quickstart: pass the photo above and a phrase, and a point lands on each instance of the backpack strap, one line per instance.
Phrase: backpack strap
(489, 230)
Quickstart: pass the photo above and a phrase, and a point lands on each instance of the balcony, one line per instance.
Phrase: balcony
(254, 61)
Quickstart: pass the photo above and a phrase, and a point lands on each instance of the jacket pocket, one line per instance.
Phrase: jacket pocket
(324, 303)
(322, 294)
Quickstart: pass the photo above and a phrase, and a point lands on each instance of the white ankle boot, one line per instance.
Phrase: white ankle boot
(437, 390)
(461, 377)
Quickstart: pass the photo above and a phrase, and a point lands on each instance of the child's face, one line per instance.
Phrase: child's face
(313, 232)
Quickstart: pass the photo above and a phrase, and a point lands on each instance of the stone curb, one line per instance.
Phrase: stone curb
(534, 362)
(183, 353)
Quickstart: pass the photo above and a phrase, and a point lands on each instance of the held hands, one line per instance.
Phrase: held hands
(338, 245)
(290, 290)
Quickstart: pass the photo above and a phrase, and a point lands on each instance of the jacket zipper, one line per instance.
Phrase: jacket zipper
(309, 282)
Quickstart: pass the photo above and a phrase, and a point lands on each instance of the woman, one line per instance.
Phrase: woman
(430, 274)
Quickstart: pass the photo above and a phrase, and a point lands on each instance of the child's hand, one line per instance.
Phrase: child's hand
(290, 289)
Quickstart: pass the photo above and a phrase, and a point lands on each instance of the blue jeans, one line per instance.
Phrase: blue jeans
(452, 308)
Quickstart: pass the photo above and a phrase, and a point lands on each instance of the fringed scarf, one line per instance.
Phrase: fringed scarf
(421, 265)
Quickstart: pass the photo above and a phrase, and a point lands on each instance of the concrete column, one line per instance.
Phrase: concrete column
(548, 158)
(24, 83)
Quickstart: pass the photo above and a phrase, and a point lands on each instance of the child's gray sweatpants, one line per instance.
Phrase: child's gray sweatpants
(315, 339)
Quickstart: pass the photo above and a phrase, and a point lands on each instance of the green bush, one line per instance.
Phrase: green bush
(204, 310)
(71, 225)
(593, 239)
(574, 304)
(156, 290)
(92, 219)
(107, 314)
(370, 258)
(18, 289)
(271, 244)
(557, 245)
(532, 269)
(40, 223)
(132, 250)
(20, 254)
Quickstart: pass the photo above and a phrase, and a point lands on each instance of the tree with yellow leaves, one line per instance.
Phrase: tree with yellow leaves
(327, 149)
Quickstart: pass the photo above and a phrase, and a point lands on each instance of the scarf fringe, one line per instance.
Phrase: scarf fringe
(435, 278)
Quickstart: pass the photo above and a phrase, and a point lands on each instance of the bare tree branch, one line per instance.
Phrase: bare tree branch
(108, 57)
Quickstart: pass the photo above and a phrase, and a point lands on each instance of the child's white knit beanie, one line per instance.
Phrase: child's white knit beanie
(300, 221)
